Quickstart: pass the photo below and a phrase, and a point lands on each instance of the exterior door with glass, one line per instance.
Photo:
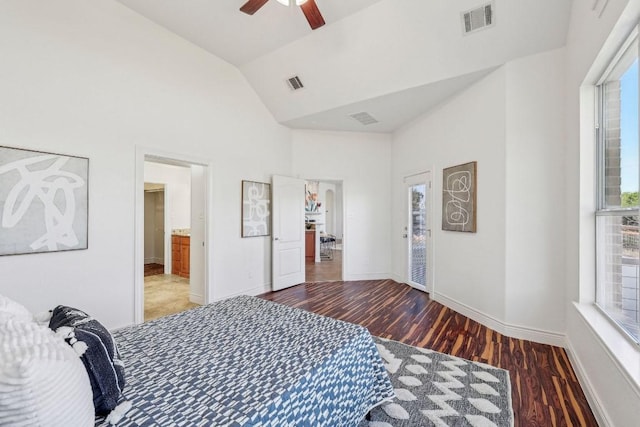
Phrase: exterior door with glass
(418, 231)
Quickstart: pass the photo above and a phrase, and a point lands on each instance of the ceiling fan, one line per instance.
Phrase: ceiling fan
(309, 8)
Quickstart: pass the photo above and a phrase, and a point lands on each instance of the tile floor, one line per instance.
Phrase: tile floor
(165, 294)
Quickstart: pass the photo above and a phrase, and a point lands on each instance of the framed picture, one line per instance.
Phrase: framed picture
(459, 185)
(256, 209)
(44, 202)
(311, 203)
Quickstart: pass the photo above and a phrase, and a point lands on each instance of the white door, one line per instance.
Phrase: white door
(419, 231)
(288, 232)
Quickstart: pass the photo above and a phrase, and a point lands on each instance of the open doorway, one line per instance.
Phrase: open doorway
(154, 220)
(171, 267)
(324, 235)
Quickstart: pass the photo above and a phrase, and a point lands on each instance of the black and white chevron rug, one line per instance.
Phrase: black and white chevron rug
(435, 389)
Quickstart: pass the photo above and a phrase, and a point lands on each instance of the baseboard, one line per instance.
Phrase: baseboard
(598, 411)
(150, 260)
(196, 299)
(259, 290)
(397, 278)
(157, 260)
(514, 331)
(365, 276)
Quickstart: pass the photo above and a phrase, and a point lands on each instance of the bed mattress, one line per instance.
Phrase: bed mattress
(249, 362)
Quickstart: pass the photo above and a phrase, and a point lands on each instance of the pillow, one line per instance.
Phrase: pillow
(98, 353)
(10, 308)
(42, 380)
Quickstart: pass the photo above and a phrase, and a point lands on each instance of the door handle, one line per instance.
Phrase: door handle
(404, 236)
(275, 238)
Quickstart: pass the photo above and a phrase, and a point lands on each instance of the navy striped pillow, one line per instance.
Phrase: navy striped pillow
(101, 357)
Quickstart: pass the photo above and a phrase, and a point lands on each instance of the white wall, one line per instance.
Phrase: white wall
(469, 267)
(322, 197)
(96, 80)
(510, 274)
(177, 180)
(339, 218)
(607, 364)
(535, 191)
(361, 161)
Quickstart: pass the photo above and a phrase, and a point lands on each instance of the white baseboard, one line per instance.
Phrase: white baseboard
(365, 276)
(514, 331)
(149, 260)
(587, 387)
(258, 290)
(397, 278)
(196, 299)
(158, 260)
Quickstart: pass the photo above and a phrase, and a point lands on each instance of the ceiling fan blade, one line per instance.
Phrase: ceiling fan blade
(252, 6)
(312, 13)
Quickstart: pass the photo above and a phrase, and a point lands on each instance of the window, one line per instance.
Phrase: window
(618, 208)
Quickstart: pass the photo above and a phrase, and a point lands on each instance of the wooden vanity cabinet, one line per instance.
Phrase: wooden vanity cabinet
(310, 244)
(180, 253)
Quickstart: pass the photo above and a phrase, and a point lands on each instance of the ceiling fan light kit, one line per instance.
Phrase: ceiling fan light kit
(291, 2)
(309, 8)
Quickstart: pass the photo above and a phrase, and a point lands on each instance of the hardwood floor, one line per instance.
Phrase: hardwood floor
(544, 388)
(328, 269)
(153, 269)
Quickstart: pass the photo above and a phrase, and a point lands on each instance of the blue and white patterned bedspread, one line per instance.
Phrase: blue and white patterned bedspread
(250, 362)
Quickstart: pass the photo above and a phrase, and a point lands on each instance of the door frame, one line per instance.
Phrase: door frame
(425, 177)
(177, 159)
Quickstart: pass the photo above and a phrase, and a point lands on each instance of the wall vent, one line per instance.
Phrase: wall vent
(295, 83)
(364, 118)
(479, 18)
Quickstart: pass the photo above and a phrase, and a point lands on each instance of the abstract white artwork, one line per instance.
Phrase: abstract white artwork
(459, 198)
(256, 211)
(43, 202)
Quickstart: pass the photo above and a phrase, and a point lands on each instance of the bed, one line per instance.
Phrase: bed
(250, 362)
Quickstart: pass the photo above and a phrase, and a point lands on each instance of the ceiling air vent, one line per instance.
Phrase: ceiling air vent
(295, 83)
(479, 18)
(364, 118)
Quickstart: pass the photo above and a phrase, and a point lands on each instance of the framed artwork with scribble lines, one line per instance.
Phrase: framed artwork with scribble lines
(44, 202)
(459, 184)
(256, 209)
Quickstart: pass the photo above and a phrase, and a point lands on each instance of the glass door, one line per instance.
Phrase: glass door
(418, 230)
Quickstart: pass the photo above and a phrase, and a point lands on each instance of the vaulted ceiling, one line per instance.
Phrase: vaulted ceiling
(393, 59)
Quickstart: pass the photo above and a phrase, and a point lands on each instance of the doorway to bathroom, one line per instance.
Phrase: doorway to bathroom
(171, 225)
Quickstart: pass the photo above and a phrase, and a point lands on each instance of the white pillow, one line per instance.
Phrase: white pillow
(10, 308)
(42, 380)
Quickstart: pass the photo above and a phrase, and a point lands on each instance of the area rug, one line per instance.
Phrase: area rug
(435, 389)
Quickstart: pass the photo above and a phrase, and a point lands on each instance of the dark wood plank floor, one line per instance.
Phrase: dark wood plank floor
(545, 389)
(153, 269)
(326, 270)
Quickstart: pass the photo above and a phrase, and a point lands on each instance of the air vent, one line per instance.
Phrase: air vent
(295, 83)
(364, 118)
(479, 18)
